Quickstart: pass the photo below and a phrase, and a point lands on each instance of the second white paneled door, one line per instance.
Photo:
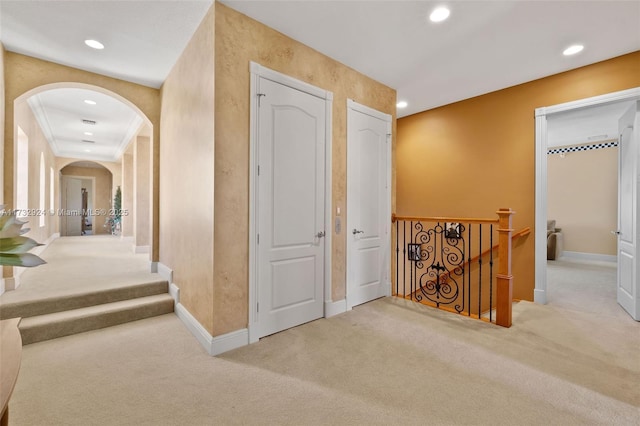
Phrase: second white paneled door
(368, 204)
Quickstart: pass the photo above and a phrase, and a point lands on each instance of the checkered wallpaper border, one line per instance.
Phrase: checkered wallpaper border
(583, 147)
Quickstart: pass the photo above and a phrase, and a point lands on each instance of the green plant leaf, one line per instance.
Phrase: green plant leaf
(27, 260)
(17, 245)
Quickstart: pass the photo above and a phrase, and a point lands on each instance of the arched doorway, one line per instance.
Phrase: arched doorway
(86, 199)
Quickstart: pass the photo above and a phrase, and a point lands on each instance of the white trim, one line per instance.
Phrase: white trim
(258, 71)
(351, 104)
(355, 106)
(174, 292)
(213, 345)
(541, 176)
(165, 272)
(153, 267)
(229, 341)
(140, 249)
(264, 72)
(10, 283)
(590, 257)
(192, 324)
(334, 308)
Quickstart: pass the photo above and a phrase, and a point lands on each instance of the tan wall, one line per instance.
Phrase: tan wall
(1, 122)
(24, 73)
(102, 197)
(240, 40)
(37, 144)
(186, 181)
(141, 182)
(127, 193)
(472, 157)
(583, 199)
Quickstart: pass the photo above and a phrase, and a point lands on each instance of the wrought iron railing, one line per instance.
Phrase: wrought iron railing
(461, 265)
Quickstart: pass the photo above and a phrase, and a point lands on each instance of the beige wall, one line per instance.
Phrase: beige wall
(582, 196)
(102, 197)
(127, 193)
(24, 74)
(1, 122)
(186, 180)
(141, 182)
(37, 144)
(238, 41)
(474, 156)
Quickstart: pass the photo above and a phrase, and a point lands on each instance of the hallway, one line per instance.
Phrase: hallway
(77, 265)
(88, 283)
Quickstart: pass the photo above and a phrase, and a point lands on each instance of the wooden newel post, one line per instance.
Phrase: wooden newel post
(504, 278)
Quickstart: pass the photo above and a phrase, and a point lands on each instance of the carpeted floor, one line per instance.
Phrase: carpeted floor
(386, 362)
(81, 264)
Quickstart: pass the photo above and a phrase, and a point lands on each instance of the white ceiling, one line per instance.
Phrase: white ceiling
(483, 46)
(60, 113)
(588, 125)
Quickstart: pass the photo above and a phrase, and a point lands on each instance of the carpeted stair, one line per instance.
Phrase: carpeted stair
(54, 317)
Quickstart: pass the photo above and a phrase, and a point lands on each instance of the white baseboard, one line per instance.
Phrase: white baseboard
(213, 345)
(540, 296)
(127, 239)
(140, 249)
(153, 267)
(593, 257)
(334, 308)
(174, 292)
(9, 283)
(226, 342)
(165, 272)
(2, 290)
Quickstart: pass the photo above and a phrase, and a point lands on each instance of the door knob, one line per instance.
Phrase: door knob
(355, 231)
(616, 232)
(320, 234)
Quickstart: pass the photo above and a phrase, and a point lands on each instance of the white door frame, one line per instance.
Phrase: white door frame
(540, 292)
(257, 71)
(354, 106)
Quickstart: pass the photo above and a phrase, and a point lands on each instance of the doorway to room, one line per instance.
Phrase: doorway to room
(584, 178)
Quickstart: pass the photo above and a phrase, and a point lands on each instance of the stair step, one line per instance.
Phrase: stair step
(50, 326)
(31, 308)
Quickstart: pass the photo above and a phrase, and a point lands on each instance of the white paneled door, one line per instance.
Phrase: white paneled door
(628, 214)
(368, 204)
(290, 207)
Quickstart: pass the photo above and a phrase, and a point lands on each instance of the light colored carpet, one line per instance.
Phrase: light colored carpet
(82, 264)
(386, 362)
(589, 287)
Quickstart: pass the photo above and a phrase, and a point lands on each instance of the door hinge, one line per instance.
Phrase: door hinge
(260, 95)
(257, 307)
(258, 238)
(258, 170)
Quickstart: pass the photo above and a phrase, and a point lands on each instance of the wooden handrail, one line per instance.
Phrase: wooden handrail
(521, 233)
(395, 218)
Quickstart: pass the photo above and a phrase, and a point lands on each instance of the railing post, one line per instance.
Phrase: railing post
(504, 296)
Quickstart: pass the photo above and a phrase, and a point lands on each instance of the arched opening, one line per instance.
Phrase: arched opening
(86, 199)
(75, 144)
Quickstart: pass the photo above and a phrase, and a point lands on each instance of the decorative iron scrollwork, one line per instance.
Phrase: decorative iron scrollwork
(438, 253)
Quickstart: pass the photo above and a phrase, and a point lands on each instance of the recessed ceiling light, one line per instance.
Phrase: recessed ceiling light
(88, 133)
(94, 44)
(87, 150)
(439, 14)
(402, 104)
(89, 102)
(572, 50)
